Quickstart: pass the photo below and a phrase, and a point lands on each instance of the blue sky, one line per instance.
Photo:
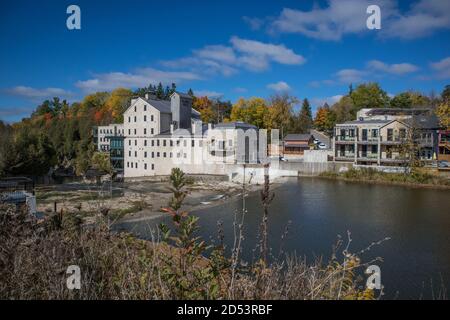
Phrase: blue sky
(312, 49)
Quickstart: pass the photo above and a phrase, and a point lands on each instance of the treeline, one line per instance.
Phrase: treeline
(280, 112)
(60, 134)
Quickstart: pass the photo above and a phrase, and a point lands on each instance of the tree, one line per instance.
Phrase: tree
(304, 122)
(368, 95)
(280, 112)
(253, 111)
(204, 106)
(443, 113)
(409, 99)
(324, 119)
(343, 110)
(445, 95)
(190, 92)
(160, 91)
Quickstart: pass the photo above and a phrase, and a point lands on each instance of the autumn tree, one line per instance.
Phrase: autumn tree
(280, 112)
(324, 119)
(204, 106)
(253, 111)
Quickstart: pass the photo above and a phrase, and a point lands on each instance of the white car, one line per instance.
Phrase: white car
(322, 145)
(316, 141)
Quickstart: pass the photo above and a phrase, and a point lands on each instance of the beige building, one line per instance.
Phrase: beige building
(382, 139)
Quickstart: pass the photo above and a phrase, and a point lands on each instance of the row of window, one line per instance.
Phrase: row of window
(158, 154)
(164, 143)
(110, 131)
(135, 165)
(152, 118)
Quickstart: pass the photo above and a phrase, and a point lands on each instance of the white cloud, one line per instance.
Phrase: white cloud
(37, 93)
(266, 51)
(348, 76)
(15, 111)
(342, 17)
(207, 93)
(396, 68)
(329, 100)
(424, 18)
(139, 78)
(241, 53)
(442, 68)
(279, 86)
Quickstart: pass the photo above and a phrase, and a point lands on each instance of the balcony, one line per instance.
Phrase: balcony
(393, 139)
(345, 156)
(368, 140)
(345, 139)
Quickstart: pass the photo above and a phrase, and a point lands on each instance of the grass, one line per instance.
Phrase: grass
(417, 177)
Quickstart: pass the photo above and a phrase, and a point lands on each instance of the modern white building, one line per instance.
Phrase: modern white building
(160, 135)
(102, 135)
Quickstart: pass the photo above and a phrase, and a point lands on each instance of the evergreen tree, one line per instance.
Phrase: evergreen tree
(160, 91)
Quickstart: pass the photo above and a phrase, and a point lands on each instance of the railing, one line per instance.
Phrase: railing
(368, 139)
(345, 138)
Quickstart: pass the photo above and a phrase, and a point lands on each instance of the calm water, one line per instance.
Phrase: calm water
(416, 220)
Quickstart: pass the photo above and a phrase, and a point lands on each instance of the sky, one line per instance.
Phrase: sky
(222, 49)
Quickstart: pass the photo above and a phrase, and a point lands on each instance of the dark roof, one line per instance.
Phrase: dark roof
(368, 121)
(162, 106)
(303, 136)
(398, 111)
(423, 121)
(183, 95)
(235, 125)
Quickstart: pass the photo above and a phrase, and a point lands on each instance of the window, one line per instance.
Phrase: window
(135, 131)
(151, 118)
(134, 108)
(135, 142)
(374, 133)
(153, 166)
(185, 155)
(129, 142)
(171, 154)
(129, 131)
(178, 143)
(132, 164)
(145, 118)
(145, 130)
(193, 143)
(128, 164)
(129, 153)
(152, 131)
(145, 154)
(145, 109)
(164, 155)
(171, 143)
(145, 143)
(135, 119)
(164, 143)
(390, 134)
(374, 149)
(157, 143)
(157, 154)
(145, 166)
(402, 133)
(153, 154)
(136, 165)
(135, 153)
(153, 143)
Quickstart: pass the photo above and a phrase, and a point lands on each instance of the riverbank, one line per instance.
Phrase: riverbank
(415, 179)
(134, 201)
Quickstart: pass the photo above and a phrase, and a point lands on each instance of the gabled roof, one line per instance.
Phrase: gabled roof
(162, 106)
(183, 95)
(300, 136)
(423, 122)
(235, 125)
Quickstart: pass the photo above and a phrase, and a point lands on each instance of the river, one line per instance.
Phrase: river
(417, 221)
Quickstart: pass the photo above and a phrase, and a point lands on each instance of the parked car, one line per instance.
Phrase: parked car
(444, 164)
(316, 141)
(283, 159)
(322, 145)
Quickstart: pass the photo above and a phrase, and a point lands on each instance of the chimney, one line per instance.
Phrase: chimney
(171, 128)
